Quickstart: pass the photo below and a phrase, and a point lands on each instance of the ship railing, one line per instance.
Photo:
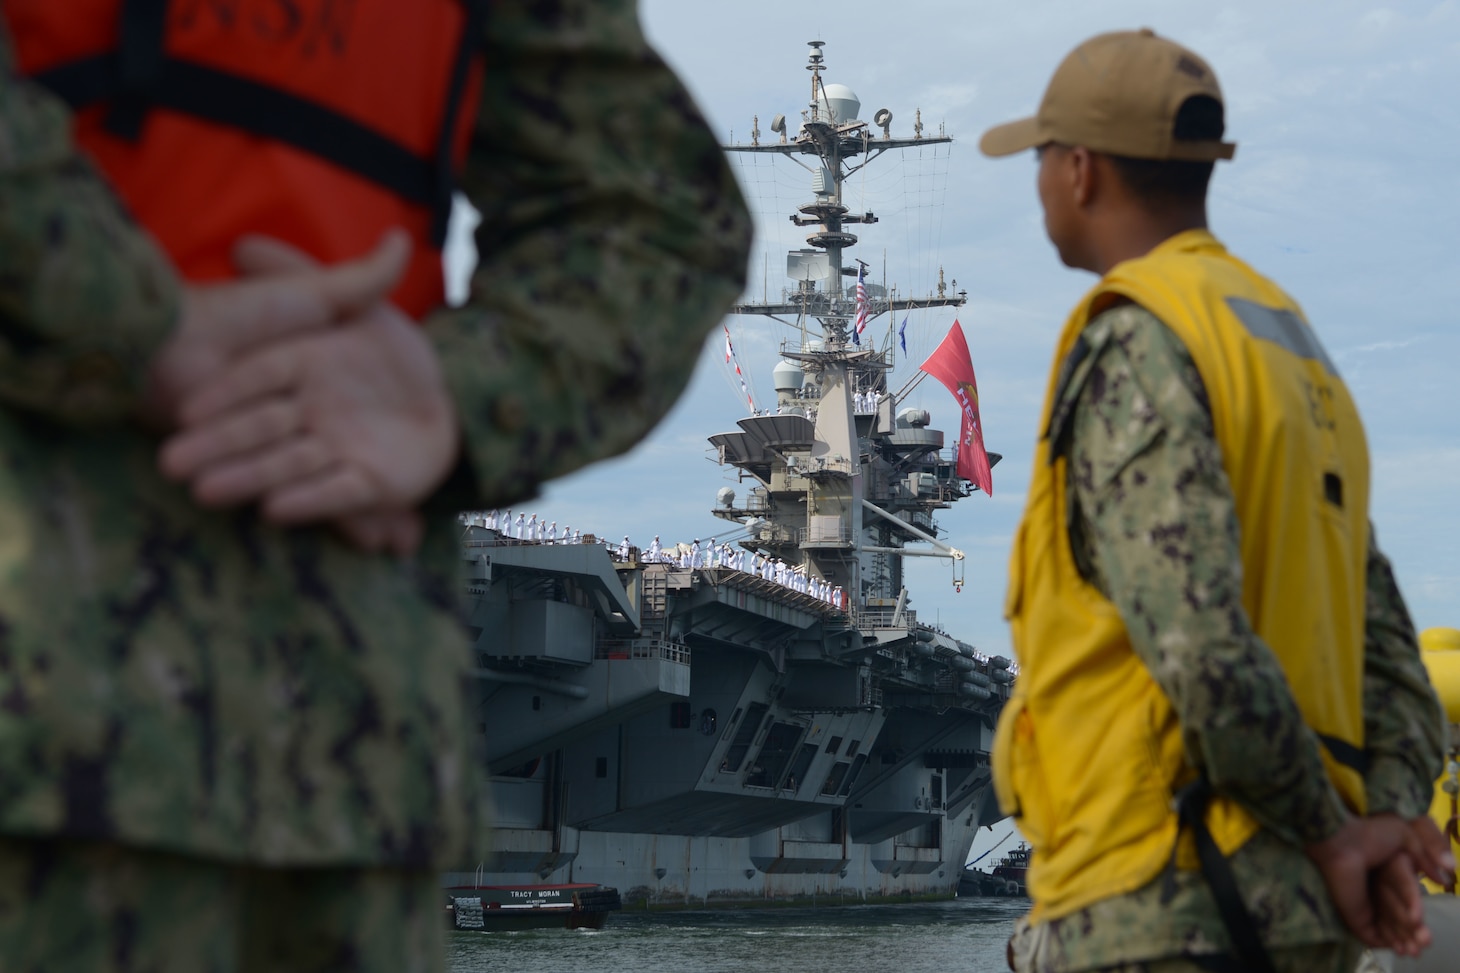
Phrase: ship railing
(757, 502)
(501, 540)
(870, 356)
(652, 649)
(822, 464)
(769, 533)
(506, 540)
(920, 518)
(882, 617)
(824, 534)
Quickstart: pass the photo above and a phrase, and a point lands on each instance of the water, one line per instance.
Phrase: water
(964, 935)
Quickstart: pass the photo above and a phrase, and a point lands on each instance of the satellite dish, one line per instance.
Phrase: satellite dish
(778, 124)
(883, 118)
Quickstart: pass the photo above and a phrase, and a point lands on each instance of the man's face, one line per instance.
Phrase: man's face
(1055, 195)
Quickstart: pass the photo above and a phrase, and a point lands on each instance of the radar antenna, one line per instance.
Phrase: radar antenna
(832, 134)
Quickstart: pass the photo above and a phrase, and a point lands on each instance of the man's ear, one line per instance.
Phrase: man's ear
(1084, 176)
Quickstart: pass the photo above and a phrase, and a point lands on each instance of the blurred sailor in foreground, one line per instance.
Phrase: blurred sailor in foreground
(226, 745)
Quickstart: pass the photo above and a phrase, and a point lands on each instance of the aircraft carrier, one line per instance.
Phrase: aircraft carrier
(768, 722)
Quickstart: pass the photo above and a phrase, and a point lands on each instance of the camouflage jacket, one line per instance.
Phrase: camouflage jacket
(1136, 427)
(202, 683)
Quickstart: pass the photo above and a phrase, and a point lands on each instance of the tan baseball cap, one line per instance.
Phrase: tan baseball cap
(1118, 93)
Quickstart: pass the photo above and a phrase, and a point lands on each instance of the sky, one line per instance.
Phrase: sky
(1344, 190)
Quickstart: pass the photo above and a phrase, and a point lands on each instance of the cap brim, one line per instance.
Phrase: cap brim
(1011, 137)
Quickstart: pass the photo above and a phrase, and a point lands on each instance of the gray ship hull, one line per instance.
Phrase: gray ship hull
(699, 738)
(654, 872)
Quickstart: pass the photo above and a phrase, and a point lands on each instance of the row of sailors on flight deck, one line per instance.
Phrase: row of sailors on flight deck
(725, 556)
(525, 528)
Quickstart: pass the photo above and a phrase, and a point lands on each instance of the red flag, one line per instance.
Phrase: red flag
(952, 365)
(860, 324)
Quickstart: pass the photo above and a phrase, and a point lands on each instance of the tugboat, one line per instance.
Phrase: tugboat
(1006, 877)
(493, 908)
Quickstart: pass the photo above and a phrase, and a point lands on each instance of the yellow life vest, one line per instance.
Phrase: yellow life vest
(1088, 752)
(1441, 654)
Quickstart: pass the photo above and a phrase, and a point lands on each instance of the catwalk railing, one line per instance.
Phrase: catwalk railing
(660, 649)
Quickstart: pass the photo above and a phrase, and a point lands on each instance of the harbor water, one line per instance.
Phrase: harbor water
(967, 935)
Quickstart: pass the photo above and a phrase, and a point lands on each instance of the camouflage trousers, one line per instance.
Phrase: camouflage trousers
(1322, 958)
(1028, 953)
(95, 907)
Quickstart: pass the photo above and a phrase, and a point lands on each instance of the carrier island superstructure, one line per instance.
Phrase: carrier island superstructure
(710, 731)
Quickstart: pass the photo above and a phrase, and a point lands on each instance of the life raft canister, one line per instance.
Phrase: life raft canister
(320, 122)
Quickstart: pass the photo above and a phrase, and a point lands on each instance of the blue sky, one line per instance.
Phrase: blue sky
(1344, 189)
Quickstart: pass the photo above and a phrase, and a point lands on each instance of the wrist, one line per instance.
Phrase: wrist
(1337, 836)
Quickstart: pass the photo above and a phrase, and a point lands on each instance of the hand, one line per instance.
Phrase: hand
(222, 321)
(1398, 906)
(398, 530)
(1368, 867)
(1430, 850)
(325, 426)
(1394, 887)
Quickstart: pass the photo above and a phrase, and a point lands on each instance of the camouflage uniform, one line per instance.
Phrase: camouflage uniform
(1153, 528)
(199, 685)
(77, 905)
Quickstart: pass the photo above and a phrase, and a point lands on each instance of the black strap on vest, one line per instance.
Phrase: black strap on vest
(1191, 805)
(138, 76)
(139, 65)
(475, 14)
(1345, 753)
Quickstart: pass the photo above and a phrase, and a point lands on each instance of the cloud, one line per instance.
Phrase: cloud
(1380, 346)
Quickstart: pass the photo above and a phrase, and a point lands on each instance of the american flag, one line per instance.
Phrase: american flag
(860, 323)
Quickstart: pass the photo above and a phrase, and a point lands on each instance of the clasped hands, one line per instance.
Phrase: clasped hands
(299, 388)
(1370, 867)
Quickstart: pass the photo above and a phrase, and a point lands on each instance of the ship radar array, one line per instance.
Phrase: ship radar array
(839, 144)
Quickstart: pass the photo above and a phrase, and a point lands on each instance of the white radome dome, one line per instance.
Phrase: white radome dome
(843, 102)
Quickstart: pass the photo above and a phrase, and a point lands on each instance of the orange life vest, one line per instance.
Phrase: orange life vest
(320, 122)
